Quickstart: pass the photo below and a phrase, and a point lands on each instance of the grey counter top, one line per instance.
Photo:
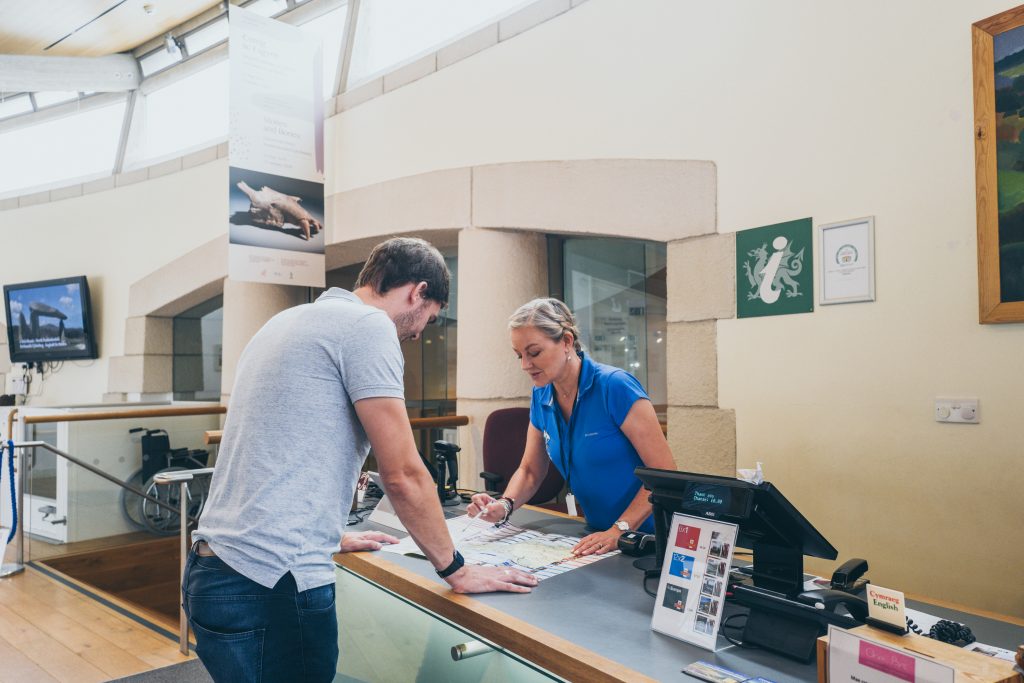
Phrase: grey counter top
(604, 608)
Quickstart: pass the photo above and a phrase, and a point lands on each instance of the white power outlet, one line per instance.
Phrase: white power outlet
(962, 410)
(16, 386)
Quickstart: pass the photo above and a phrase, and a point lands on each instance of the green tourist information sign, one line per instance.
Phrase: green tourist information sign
(775, 270)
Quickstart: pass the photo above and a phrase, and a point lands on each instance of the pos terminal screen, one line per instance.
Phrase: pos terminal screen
(715, 500)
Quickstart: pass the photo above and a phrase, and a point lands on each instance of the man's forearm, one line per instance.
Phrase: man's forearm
(414, 498)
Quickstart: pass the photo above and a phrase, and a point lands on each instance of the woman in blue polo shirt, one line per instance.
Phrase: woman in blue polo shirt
(595, 422)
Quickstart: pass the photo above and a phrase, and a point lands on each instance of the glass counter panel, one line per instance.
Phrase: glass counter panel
(383, 637)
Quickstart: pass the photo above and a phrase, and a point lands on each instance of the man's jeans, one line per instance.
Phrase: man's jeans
(245, 632)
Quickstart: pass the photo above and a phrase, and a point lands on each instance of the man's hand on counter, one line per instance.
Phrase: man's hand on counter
(354, 541)
(476, 579)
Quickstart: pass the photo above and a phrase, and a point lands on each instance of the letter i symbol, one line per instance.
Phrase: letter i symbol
(768, 293)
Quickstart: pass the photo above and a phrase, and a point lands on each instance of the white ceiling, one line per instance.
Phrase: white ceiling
(28, 27)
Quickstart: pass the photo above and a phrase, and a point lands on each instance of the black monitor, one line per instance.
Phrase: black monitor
(49, 320)
(780, 617)
(768, 523)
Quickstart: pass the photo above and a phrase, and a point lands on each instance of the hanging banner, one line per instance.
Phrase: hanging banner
(275, 153)
(691, 595)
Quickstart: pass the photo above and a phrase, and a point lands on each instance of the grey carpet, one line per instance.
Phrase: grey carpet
(191, 671)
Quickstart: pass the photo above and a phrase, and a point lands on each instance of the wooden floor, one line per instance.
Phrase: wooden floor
(50, 632)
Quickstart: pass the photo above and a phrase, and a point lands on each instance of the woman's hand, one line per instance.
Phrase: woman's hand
(355, 541)
(598, 544)
(487, 508)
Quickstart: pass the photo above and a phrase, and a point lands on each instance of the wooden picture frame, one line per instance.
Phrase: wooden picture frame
(997, 137)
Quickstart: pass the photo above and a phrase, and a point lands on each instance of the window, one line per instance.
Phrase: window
(617, 290)
(394, 31)
(330, 29)
(198, 339)
(12, 106)
(207, 36)
(79, 145)
(46, 99)
(267, 8)
(186, 115)
(158, 60)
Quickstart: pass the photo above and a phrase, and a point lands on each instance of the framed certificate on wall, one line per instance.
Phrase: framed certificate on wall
(847, 261)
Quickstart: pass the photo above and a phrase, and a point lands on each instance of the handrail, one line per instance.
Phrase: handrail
(22, 474)
(213, 436)
(182, 478)
(114, 415)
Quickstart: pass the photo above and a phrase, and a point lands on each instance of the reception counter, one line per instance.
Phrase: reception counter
(398, 621)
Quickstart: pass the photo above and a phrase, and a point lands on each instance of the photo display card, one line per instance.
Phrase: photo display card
(694, 578)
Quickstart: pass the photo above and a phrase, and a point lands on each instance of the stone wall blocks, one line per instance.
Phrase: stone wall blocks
(702, 278)
(692, 363)
(703, 439)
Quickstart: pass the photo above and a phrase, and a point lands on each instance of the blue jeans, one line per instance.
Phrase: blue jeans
(248, 633)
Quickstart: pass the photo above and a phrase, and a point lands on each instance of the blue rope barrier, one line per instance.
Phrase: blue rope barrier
(14, 491)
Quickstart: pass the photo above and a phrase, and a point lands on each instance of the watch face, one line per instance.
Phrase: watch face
(622, 525)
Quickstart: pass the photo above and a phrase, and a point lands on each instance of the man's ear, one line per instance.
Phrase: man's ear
(419, 291)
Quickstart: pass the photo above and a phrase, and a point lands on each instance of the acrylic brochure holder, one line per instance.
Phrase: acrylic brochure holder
(694, 578)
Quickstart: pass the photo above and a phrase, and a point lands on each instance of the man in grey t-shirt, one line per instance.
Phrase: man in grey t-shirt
(315, 388)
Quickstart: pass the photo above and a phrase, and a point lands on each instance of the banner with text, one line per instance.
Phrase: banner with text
(275, 153)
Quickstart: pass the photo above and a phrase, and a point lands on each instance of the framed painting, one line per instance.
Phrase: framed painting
(998, 46)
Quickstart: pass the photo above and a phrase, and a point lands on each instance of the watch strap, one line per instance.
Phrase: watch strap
(457, 563)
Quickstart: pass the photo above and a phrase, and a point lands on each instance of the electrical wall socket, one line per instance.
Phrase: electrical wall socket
(16, 385)
(963, 410)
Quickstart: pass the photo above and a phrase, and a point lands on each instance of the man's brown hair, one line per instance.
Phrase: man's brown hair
(402, 260)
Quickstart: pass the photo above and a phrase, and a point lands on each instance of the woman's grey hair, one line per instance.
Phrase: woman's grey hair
(552, 317)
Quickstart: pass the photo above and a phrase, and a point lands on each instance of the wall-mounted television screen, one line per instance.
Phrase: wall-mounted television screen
(49, 320)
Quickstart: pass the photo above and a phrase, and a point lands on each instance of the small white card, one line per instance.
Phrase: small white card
(887, 605)
(385, 515)
(694, 578)
(853, 659)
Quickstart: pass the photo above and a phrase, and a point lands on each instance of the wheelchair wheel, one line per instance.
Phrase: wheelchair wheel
(130, 502)
(160, 520)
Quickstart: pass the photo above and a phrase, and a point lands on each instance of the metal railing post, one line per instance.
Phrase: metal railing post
(182, 479)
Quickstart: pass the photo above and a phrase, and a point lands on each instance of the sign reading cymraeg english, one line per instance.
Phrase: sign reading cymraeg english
(887, 606)
(775, 269)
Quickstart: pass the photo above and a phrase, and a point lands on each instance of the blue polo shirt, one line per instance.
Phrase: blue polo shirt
(590, 450)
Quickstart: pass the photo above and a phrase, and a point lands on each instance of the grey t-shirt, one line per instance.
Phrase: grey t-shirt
(293, 446)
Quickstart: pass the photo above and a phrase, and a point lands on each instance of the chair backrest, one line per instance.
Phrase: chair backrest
(503, 446)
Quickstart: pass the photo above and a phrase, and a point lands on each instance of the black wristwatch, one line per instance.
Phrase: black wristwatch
(456, 565)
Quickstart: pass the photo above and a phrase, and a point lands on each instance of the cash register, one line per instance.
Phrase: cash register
(783, 616)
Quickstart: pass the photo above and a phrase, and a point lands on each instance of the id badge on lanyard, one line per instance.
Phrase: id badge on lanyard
(570, 499)
(570, 504)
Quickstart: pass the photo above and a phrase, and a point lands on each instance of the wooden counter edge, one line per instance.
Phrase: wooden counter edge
(969, 666)
(559, 656)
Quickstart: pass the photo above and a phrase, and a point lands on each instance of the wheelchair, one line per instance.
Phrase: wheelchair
(159, 457)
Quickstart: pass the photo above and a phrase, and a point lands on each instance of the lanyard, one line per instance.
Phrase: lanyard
(565, 445)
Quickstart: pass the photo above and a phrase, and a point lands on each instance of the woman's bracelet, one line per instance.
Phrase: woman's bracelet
(509, 505)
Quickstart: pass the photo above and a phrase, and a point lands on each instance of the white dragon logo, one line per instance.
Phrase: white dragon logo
(773, 274)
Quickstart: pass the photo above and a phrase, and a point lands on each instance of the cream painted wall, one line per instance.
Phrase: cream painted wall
(115, 238)
(830, 110)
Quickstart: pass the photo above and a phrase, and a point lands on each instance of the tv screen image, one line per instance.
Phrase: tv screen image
(49, 320)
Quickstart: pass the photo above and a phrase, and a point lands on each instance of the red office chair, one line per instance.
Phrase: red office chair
(504, 442)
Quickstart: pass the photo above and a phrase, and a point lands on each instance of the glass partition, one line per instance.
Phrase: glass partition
(198, 345)
(618, 292)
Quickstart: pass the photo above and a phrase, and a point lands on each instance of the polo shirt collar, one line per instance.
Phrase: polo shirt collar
(588, 370)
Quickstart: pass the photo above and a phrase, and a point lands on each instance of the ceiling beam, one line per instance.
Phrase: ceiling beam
(113, 73)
